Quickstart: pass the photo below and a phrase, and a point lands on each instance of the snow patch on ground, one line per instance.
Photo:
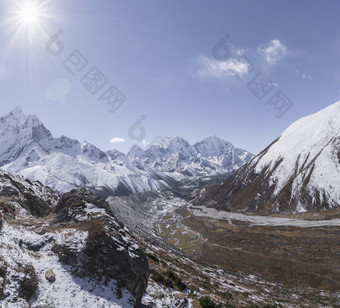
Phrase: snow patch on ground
(67, 290)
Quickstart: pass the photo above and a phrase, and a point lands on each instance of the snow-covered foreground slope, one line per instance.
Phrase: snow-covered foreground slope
(28, 148)
(68, 290)
(299, 171)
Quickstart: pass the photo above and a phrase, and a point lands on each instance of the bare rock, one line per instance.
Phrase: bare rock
(41, 231)
(8, 191)
(50, 276)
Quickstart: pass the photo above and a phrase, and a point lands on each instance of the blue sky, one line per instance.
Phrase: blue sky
(159, 55)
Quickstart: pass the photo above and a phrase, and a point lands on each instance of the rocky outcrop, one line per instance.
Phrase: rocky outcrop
(8, 191)
(74, 203)
(110, 250)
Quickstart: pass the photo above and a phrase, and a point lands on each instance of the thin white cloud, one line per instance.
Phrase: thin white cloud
(306, 76)
(273, 51)
(209, 67)
(117, 140)
(303, 75)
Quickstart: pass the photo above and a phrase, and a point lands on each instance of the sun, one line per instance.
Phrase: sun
(29, 19)
(29, 13)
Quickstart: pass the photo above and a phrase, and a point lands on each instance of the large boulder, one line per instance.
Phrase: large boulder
(50, 276)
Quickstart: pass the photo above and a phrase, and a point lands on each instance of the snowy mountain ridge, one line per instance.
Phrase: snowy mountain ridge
(310, 143)
(29, 149)
(300, 171)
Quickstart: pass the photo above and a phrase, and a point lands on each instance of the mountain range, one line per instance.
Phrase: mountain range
(28, 148)
(298, 172)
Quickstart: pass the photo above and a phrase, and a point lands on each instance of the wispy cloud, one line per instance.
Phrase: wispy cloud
(209, 67)
(117, 140)
(272, 51)
(303, 75)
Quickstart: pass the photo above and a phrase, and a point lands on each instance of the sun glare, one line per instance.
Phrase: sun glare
(29, 13)
(29, 19)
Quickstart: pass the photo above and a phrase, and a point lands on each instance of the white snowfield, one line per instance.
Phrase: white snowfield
(68, 290)
(203, 211)
(29, 149)
(310, 147)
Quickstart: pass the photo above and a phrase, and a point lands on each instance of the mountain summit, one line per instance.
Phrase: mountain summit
(18, 131)
(299, 171)
(28, 148)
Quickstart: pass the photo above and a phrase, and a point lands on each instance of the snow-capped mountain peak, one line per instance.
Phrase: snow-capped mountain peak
(16, 114)
(213, 146)
(180, 145)
(165, 142)
(18, 131)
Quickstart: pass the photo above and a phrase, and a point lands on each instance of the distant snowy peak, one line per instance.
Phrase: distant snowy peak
(15, 116)
(300, 171)
(17, 131)
(180, 145)
(165, 142)
(93, 152)
(115, 155)
(213, 146)
(209, 147)
(136, 152)
(23, 126)
(211, 157)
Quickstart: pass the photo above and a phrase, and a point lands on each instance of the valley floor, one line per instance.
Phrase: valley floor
(242, 260)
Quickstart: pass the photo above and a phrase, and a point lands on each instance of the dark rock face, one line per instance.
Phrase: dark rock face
(35, 205)
(107, 256)
(32, 196)
(110, 250)
(8, 191)
(76, 200)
